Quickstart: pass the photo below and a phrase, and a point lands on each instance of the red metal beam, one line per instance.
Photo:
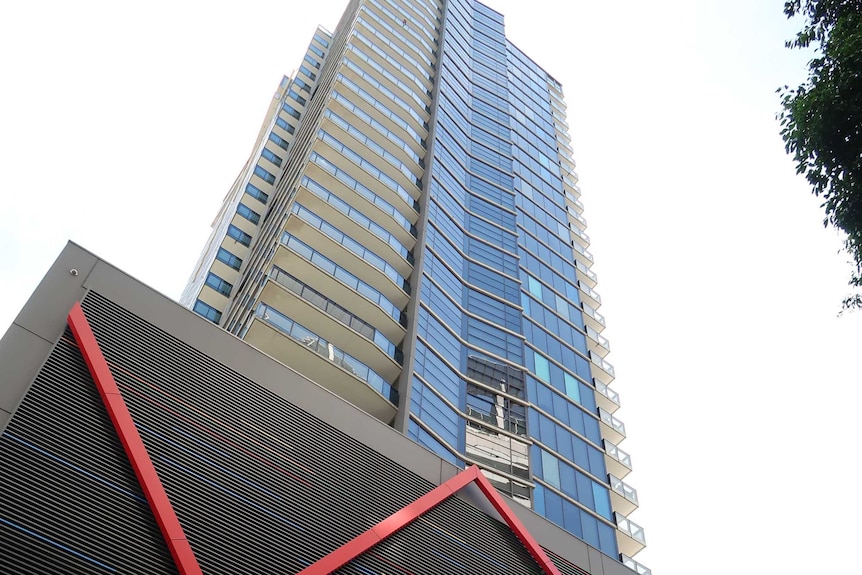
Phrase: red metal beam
(527, 540)
(400, 519)
(172, 531)
(151, 485)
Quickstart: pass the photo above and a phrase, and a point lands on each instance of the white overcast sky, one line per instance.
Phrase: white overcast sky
(123, 124)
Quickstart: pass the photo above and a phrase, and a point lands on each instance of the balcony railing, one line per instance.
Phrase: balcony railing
(326, 350)
(580, 234)
(612, 422)
(357, 216)
(337, 312)
(587, 271)
(578, 217)
(618, 454)
(591, 311)
(582, 251)
(350, 244)
(578, 203)
(619, 486)
(336, 271)
(603, 363)
(574, 200)
(634, 565)
(590, 291)
(599, 338)
(630, 528)
(607, 392)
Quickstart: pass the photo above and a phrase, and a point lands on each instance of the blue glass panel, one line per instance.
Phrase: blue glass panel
(591, 430)
(607, 539)
(588, 398)
(596, 462)
(602, 500)
(567, 480)
(572, 519)
(544, 398)
(572, 388)
(550, 467)
(564, 443)
(549, 435)
(554, 508)
(539, 500)
(585, 490)
(583, 455)
(543, 370)
(589, 525)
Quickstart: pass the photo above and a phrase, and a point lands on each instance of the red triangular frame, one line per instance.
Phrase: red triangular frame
(151, 485)
(169, 524)
(400, 519)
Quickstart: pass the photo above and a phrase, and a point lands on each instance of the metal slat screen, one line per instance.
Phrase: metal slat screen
(258, 484)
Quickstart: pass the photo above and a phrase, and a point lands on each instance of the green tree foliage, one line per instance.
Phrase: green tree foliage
(821, 120)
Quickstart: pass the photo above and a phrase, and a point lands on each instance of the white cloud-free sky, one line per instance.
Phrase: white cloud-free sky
(123, 124)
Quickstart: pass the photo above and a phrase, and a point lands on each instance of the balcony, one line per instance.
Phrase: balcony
(599, 339)
(607, 398)
(314, 357)
(580, 221)
(571, 187)
(592, 317)
(580, 236)
(618, 461)
(613, 429)
(337, 284)
(634, 565)
(605, 373)
(561, 122)
(623, 496)
(597, 343)
(585, 273)
(592, 296)
(630, 536)
(347, 253)
(583, 251)
(310, 307)
(353, 222)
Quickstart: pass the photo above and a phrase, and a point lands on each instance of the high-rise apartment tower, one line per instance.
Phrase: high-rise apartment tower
(407, 233)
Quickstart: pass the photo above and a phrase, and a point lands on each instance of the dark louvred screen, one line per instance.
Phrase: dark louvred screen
(259, 485)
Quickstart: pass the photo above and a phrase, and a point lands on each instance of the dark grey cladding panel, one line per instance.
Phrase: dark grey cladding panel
(69, 501)
(258, 484)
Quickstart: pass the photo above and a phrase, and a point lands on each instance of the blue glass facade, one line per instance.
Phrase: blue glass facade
(501, 371)
(409, 235)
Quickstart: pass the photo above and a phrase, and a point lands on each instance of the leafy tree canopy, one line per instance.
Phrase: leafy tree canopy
(821, 120)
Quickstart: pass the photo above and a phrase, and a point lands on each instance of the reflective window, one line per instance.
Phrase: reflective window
(351, 244)
(308, 72)
(248, 213)
(284, 125)
(218, 284)
(207, 311)
(543, 369)
(256, 193)
(341, 274)
(550, 468)
(278, 140)
(270, 156)
(264, 175)
(290, 110)
(228, 258)
(239, 235)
